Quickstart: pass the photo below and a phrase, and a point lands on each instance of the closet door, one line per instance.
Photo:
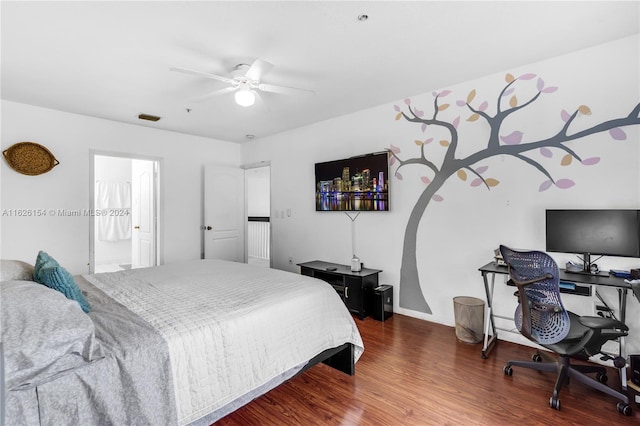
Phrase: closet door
(224, 213)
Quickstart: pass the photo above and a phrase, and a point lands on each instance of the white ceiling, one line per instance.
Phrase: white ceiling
(112, 59)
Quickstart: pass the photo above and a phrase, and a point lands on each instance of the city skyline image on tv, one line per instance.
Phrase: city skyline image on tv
(353, 184)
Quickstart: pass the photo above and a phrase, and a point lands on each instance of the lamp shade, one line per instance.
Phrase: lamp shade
(245, 97)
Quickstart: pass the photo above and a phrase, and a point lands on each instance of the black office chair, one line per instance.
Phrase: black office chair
(541, 317)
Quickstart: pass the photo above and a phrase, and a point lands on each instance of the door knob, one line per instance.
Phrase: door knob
(209, 228)
(136, 227)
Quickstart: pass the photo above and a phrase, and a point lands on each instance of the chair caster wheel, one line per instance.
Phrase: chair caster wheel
(554, 402)
(508, 371)
(624, 408)
(602, 377)
(619, 362)
(537, 357)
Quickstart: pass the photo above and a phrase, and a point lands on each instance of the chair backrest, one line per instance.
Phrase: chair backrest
(540, 315)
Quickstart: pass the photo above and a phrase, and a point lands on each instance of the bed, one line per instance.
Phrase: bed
(179, 344)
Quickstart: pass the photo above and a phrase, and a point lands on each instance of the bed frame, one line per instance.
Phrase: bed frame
(341, 358)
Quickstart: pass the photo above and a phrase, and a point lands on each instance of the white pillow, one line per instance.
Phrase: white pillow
(18, 270)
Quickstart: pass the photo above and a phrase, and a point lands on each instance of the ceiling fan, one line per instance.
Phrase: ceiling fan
(246, 82)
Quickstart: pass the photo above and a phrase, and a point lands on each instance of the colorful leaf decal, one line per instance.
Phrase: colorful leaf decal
(425, 179)
(394, 149)
(491, 182)
(476, 182)
(545, 185)
(398, 176)
(513, 138)
(566, 160)
(396, 107)
(540, 85)
(565, 116)
(392, 160)
(508, 78)
(473, 117)
(456, 122)
(417, 142)
(550, 89)
(443, 107)
(444, 93)
(565, 183)
(407, 101)
(585, 110)
(480, 170)
(398, 116)
(590, 161)
(423, 127)
(546, 152)
(460, 102)
(418, 113)
(471, 95)
(508, 92)
(483, 106)
(428, 140)
(444, 142)
(513, 102)
(618, 134)
(527, 76)
(437, 198)
(462, 175)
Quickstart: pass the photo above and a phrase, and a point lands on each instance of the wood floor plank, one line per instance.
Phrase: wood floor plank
(415, 372)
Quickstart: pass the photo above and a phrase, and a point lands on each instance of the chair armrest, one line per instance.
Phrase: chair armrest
(599, 323)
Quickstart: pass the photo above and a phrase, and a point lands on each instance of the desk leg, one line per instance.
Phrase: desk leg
(489, 340)
(622, 303)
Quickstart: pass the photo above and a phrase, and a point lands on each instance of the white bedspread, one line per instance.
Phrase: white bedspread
(231, 327)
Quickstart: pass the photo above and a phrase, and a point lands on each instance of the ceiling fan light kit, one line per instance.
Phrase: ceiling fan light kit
(245, 97)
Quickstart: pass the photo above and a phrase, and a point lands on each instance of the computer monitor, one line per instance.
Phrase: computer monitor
(598, 232)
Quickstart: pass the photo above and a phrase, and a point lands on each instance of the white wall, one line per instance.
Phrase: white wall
(258, 191)
(458, 235)
(70, 138)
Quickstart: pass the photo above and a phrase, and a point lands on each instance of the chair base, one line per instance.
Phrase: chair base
(566, 371)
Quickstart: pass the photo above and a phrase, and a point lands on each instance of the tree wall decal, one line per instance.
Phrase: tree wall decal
(469, 167)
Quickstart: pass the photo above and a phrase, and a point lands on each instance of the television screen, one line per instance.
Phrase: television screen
(600, 232)
(353, 184)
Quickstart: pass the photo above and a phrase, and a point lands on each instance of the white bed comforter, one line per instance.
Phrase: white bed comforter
(231, 327)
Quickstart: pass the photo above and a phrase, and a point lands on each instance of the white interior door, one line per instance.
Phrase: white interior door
(224, 213)
(143, 214)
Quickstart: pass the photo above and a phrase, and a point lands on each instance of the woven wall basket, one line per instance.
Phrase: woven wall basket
(30, 158)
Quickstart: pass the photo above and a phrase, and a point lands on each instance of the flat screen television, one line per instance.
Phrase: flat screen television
(598, 232)
(353, 184)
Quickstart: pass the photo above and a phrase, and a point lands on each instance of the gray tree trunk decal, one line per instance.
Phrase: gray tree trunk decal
(469, 168)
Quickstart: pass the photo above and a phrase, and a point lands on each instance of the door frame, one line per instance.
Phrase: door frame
(246, 210)
(158, 196)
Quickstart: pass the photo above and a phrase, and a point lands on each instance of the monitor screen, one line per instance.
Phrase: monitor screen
(599, 232)
(353, 184)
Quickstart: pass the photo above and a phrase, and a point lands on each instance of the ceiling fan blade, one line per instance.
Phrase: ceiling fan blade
(214, 93)
(258, 69)
(261, 101)
(284, 89)
(202, 74)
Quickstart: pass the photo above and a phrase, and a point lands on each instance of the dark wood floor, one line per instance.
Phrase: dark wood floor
(414, 372)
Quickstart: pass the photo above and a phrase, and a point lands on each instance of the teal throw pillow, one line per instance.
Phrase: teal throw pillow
(43, 261)
(48, 271)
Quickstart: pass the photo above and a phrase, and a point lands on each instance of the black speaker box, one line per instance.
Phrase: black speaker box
(634, 362)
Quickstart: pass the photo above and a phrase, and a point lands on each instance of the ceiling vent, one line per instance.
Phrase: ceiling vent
(148, 117)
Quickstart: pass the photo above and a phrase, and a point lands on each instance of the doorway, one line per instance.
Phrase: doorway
(124, 197)
(258, 189)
